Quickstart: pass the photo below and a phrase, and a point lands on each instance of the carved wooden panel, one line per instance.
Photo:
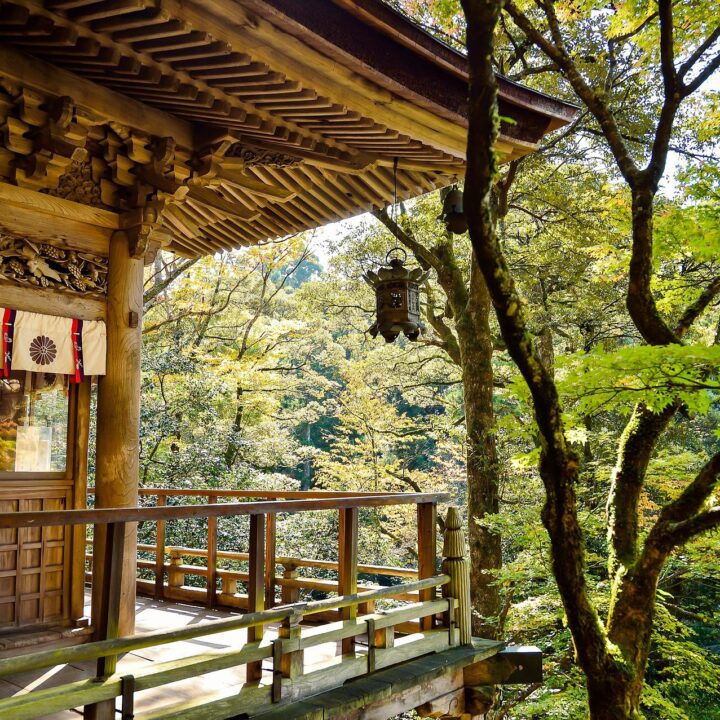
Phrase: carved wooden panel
(34, 562)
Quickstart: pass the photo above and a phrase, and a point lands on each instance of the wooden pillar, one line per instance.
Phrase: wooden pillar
(256, 586)
(118, 416)
(80, 415)
(347, 566)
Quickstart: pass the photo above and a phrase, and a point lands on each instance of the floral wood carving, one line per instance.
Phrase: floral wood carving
(25, 262)
(78, 184)
(260, 156)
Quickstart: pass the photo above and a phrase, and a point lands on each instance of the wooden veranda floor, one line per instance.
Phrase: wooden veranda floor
(156, 615)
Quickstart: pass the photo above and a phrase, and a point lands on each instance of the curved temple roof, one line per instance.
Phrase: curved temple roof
(284, 114)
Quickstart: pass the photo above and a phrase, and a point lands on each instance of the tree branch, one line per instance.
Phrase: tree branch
(558, 466)
(693, 311)
(597, 106)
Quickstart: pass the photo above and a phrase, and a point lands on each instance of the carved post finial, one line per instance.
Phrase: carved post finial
(456, 565)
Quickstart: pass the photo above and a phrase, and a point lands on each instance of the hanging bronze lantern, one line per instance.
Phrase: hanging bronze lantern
(397, 295)
(453, 215)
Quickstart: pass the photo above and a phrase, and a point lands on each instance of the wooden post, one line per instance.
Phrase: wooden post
(212, 556)
(347, 566)
(160, 553)
(176, 577)
(456, 565)
(118, 414)
(427, 550)
(256, 586)
(378, 639)
(110, 610)
(270, 545)
(287, 664)
(289, 595)
(81, 429)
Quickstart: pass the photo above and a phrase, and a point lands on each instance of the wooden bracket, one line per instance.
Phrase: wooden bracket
(144, 230)
(521, 664)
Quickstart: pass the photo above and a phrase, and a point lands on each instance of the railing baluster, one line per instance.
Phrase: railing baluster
(287, 664)
(160, 553)
(270, 545)
(256, 586)
(427, 549)
(347, 564)
(176, 577)
(212, 556)
(289, 595)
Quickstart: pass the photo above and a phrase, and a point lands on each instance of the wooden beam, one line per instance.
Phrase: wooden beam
(217, 202)
(234, 176)
(106, 105)
(51, 302)
(64, 223)
(518, 664)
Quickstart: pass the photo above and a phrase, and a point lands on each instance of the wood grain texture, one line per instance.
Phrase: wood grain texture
(51, 302)
(118, 409)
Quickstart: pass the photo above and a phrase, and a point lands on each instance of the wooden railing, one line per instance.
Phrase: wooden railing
(171, 570)
(444, 621)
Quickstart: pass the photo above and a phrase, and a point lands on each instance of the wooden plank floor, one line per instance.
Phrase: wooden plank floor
(156, 615)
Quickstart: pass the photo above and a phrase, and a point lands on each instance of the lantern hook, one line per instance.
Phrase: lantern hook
(394, 254)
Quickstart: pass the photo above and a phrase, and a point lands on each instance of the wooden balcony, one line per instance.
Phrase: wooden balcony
(308, 658)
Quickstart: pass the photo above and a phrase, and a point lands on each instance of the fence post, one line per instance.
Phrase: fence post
(256, 586)
(211, 557)
(270, 544)
(160, 553)
(287, 663)
(107, 621)
(427, 551)
(456, 565)
(347, 565)
(290, 595)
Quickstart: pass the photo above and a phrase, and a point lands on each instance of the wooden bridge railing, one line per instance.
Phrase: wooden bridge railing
(171, 570)
(444, 621)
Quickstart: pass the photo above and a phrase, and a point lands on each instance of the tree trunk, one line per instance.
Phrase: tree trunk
(233, 446)
(476, 349)
(614, 696)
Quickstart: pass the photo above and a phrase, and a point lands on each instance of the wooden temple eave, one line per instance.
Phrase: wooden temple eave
(275, 128)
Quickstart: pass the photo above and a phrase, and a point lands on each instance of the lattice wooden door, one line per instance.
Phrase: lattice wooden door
(34, 562)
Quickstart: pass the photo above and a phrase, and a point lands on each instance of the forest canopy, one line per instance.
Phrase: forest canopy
(259, 372)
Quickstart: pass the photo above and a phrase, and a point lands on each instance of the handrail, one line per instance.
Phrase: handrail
(269, 494)
(49, 518)
(428, 625)
(102, 648)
